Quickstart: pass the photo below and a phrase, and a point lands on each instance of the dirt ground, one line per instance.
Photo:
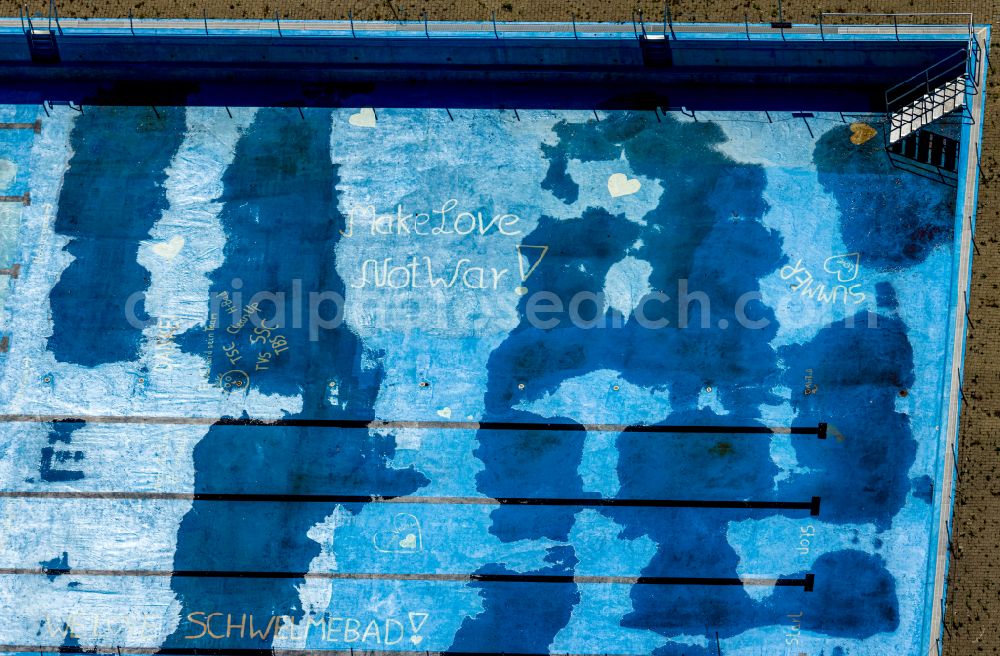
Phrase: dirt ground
(973, 610)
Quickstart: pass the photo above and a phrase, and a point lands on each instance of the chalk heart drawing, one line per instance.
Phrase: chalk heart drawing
(416, 623)
(365, 118)
(845, 267)
(620, 184)
(445, 413)
(861, 132)
(403, 537)
(169, 249)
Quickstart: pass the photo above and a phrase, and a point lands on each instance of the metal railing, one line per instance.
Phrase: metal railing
(967, 17)
(931, 94)
(53, 14)
(933, 77)
(899, 26)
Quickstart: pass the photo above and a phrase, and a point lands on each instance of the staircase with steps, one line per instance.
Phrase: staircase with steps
(926, 109)
(935, 96)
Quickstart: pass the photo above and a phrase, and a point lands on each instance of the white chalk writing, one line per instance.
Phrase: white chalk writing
(807, 286)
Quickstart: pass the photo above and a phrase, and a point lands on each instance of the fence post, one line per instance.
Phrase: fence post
(131, 27)
(967, 317)
(427, 29)
(822, 37)
(573, 18)
(951, 545)
(277, 19)
(496, 32)
(204, 14)
(895, 26)
(350, 16)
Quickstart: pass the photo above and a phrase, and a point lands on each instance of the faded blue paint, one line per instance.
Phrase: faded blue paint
(57, 462)
(110, 197)
(720, 206)
(281, 222)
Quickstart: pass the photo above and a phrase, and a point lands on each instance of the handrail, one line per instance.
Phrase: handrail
(969, 18)
(909, 13)
(668, 19)
(976, 52)
(905, 88)
(931, 90)
(54, 10)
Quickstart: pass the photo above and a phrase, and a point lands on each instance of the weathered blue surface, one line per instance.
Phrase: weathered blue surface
(282, 224)
(110, 198)
(728, 271)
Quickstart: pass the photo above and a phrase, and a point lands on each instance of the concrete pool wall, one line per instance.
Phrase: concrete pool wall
(555, 66)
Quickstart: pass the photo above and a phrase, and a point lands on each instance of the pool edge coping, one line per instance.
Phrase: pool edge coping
(969, 187)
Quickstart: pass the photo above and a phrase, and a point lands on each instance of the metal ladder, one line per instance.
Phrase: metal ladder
(42, 37)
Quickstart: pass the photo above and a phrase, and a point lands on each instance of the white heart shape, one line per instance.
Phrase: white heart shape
(365, 118)
(444, 412)
(416, 639)
(619, 184)
(409, 542)
(845, 266)
(168, 250)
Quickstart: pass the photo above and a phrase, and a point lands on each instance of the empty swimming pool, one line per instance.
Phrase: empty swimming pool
(469, 380)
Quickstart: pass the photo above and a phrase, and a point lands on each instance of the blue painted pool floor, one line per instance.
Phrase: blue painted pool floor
(476, 315)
